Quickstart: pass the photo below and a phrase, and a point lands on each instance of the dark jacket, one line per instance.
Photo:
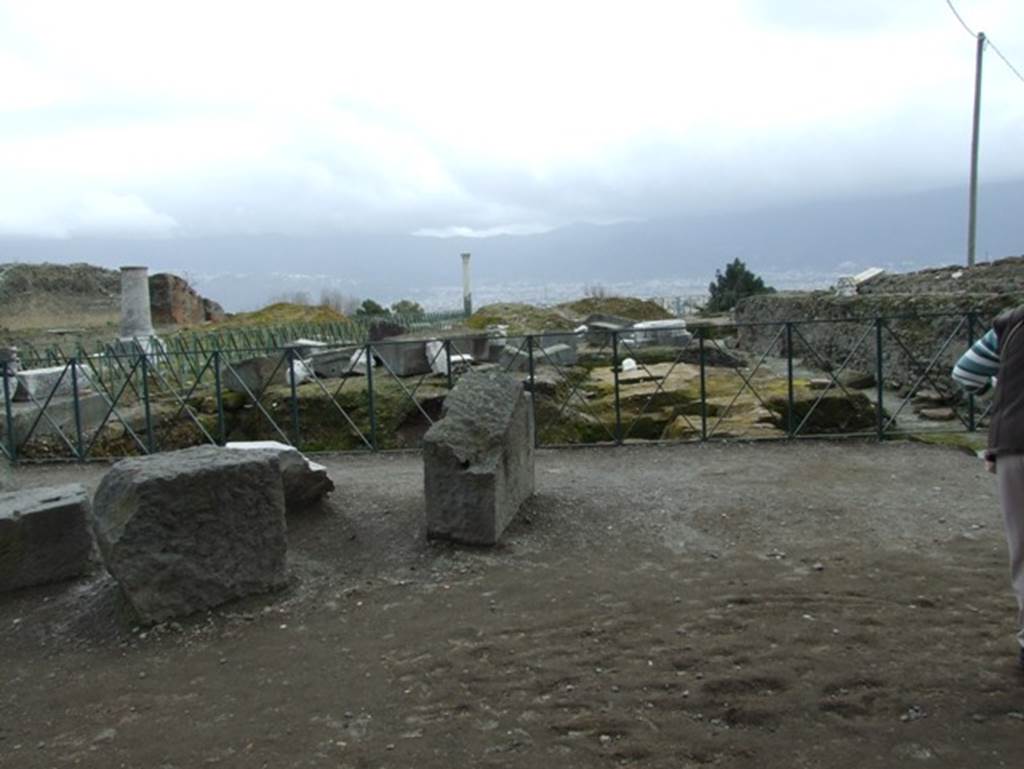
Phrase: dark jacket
(1006, 430)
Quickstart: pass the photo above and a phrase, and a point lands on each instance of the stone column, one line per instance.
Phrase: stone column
(136, 320)
(467, 295)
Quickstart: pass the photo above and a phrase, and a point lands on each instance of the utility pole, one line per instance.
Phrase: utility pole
(972, 215)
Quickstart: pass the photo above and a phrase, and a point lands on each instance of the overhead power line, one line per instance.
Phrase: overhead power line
(1006, 61)
(960, 18)
(988, 41)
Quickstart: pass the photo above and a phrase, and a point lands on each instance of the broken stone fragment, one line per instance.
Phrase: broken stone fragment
(306, 483)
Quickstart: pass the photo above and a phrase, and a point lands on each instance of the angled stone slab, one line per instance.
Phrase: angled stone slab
(479, 459)
(44, 536)
(188, 530)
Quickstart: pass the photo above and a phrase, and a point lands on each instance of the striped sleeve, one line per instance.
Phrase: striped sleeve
(977, 366)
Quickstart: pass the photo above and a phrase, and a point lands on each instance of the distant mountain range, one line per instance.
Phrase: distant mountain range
(791, 243)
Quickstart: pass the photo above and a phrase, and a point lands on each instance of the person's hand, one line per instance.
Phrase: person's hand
(990, 465)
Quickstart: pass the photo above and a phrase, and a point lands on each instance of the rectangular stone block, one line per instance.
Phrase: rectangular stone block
(477, 346)
(256, 373)
(479, 459)
(44, 536)
(558, 355)
(668, 333)
(39, 383)
(406, 358)
(514, 358)
(92, 408)
(332, 364)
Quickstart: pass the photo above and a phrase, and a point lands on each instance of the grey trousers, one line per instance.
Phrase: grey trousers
(1010, 478)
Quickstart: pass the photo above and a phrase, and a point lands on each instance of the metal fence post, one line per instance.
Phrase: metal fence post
(618, 400)
(971, 416)
(79, 447)
(701, 331)
(12, 440)
(368, 352)
(144, 368)
(448, 361)
(879, 370)
(533, 390)
(218, 396)
(789, 379)
(296, 429)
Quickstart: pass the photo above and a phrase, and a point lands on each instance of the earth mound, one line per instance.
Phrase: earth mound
(623, 306)
(285, 312)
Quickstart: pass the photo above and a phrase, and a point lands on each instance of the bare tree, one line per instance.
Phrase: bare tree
(339, 302)
(292, 297)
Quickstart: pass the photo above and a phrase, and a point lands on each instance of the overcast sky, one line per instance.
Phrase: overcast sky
(184, 118)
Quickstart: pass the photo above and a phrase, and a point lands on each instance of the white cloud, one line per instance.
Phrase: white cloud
(92, 212)
(488, 117)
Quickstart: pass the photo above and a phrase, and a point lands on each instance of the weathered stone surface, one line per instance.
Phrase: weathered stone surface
(304, 348)
(558, 355)
(306, 483)
(514, 358)
(478, 459)
(334, 363)
(938, 414)
(477, 346)
(44, 536)
(407, 358)
(439, 360)
(919, 322)
(856, 380)
(60, 415)
(830, 412)
(188, 530)
(174, 302)
(671, 333)
(256, 374)
(40, 383)
(9, 356)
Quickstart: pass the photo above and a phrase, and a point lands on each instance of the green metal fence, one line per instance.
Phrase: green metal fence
(867, 377)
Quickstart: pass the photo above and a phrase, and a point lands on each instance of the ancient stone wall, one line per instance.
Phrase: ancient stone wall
(174, 302)
(831, 330)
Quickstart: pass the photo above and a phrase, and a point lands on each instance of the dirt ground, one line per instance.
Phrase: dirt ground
(773, 605)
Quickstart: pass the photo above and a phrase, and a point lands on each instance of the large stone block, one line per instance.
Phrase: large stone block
(336, 363)
(188, 530)
(60, 415)
(406, 358)
(256, 374)
(668, 333)
(478, 459)
(558, 355)
(40, 383)
(306, 483)
(44, 536)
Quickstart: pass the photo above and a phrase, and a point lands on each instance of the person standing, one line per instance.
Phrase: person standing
(998, 359)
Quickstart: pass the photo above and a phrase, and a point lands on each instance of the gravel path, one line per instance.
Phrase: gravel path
(775, 605)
